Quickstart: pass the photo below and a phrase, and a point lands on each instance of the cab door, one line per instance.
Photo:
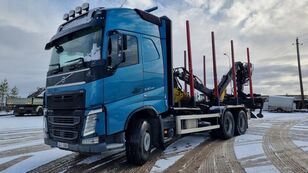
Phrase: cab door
(123, 89)
(153, 74)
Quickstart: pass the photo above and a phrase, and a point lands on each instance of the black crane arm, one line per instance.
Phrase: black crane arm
(182, 74)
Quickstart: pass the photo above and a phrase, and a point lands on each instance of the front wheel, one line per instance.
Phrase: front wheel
(138, 144)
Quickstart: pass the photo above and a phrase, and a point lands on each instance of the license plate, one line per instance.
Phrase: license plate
(62, 145)
(21, 108)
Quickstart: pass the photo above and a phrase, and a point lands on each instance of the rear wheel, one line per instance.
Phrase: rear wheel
(241, 123)
(138, 144)
(40, 112)
(279, 110)
(227, 127)
(18, 114)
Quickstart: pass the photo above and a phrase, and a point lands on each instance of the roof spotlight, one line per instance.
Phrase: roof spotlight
(78, 10)
(72, 13)
(66, 17)
(85, 6)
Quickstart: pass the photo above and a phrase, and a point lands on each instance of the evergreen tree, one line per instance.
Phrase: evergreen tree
(14, 92)
(4, 88)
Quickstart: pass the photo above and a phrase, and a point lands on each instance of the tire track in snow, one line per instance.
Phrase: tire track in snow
(224, 159)
(210, 156)
(125, 167)
(19, 136)
(13, 162)
(24, 150)
(281, 151)
(191, 161)
(60, 164)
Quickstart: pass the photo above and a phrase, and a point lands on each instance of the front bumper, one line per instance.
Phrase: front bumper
(111, 142)
(83, 148)
(86, 148)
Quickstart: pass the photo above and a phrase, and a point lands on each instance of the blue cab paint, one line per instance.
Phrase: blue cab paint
(120, 94)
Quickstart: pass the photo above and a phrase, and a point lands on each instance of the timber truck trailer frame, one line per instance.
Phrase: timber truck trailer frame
(111, 85)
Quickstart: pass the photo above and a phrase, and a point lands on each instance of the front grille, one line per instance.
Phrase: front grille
(65, 116)
(63, 99)
(64, 134)
(64, 120)
(74, 100)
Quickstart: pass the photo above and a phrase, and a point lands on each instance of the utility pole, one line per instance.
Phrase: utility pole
(185, 66)
(300, 74)
(204, 71)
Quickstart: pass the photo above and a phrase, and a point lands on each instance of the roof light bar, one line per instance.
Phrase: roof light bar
(78, 10)
(85, 6)
(66, 17)
(72, 13)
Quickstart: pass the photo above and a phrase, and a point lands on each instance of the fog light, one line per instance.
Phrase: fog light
(94, 140)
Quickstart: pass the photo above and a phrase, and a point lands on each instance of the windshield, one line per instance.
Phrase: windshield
(77, 48)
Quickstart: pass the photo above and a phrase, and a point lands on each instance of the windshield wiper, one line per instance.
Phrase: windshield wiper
(58, 69)
(77, 59)
(74, 66)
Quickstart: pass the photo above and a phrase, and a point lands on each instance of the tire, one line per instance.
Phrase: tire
(138, 142)
(40, 112)
(18, 114)
(241, 123)
(227, 127)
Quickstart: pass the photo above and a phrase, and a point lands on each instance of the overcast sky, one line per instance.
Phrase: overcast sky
(267, 27)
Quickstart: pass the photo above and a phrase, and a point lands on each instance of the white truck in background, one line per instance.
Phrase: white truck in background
(33, 104)
(280, 104)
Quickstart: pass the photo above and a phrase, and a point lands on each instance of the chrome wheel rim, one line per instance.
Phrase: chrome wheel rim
(147, 141)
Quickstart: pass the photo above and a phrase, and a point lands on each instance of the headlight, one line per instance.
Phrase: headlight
(89, 127)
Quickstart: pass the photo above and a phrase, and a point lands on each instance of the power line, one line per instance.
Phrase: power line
(124, 2)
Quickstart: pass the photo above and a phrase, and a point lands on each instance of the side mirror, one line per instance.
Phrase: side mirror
(117, 43)
(109, 60)
(123, 56)
(124, 42)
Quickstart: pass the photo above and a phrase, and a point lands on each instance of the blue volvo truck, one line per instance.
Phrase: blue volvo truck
(111, 84)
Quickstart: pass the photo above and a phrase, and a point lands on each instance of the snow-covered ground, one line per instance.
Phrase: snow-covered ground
(10, 123)
(20, 132)
(34, 160)
(177, 150)
(17, 133)
(3, 113)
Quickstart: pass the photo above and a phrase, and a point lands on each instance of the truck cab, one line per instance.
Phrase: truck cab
(107, 67)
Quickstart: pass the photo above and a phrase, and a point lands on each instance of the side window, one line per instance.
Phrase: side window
(150, 52)
(131, 53)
